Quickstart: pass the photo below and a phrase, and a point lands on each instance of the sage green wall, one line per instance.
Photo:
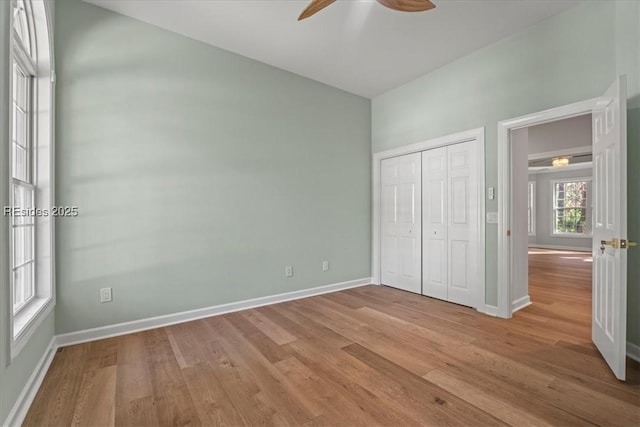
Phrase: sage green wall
(628, 61)
(199, 174)
(13, 374)
(567, 58)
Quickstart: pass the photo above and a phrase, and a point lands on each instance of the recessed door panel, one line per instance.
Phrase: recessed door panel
(459, 199)
(459, 264)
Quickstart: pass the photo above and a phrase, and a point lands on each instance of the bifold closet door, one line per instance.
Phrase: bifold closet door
(401, 231)
(434, 219)
(463, 232)
(450, 223)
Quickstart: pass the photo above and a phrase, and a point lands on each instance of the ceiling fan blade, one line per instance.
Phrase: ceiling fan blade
(314, 7)
(408, 5)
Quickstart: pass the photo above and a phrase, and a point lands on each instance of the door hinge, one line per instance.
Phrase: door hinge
(508, 233)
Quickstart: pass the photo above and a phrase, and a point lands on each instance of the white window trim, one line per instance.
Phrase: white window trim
(589, 203)
(532, 233)
(25, 323)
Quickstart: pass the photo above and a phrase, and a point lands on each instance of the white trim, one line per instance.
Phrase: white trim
(560, 247)
(23, 403)
(570, 236)
(43, 139)
(42, 309)
(109, 331)
(490, 310)
(520, 303)
(456, 138)
(633, 351)
(532, 199)
(504, 178)
(569, 167)
(585, 149)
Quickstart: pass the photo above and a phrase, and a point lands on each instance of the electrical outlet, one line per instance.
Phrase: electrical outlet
(105, 295)
(325, 265)
(288, 271)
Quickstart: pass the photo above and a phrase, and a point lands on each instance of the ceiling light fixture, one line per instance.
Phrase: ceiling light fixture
(560, 162)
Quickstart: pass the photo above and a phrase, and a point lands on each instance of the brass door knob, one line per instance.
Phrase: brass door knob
(613, 242)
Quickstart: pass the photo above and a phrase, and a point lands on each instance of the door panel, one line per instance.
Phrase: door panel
(401, 227)
(463, 228)
(434, 220)
(459, 265)
(609, 312)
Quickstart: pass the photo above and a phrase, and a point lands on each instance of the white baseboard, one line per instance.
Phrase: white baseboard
(109, 331)
(490, 310)
(520, 303)
(633, 351)
(23, 403)
(560, 248)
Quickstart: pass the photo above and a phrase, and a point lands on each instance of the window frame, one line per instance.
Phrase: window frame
(588, 208)
(24, 63)
(38, 63)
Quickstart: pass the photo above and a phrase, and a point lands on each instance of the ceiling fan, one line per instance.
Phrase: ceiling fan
(401, 5)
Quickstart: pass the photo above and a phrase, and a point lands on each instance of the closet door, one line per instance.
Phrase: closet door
(435, 223)
(401, 244)
(463, 229)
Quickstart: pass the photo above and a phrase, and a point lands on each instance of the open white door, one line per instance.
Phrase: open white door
(401, 226)
(609, 311)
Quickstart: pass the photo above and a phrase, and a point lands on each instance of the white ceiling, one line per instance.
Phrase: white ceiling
(356, 45)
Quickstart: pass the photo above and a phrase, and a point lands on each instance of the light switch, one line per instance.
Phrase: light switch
(492, 193)
(492, 217)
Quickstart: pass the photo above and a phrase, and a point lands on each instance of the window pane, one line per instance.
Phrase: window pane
(21, 120)
(21, 87)
(23, 242)
(18, 246)
(23, 198)
(20, 163)
(29, 285)
(18, 289)
(20, 127)
(28, 243)
(20, 23)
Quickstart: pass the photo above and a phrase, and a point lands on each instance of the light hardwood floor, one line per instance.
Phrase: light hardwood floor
(367, 356)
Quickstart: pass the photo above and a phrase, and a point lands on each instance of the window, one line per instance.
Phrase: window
(32, 292)
(571, 207)
(23, 234)
(531, 208)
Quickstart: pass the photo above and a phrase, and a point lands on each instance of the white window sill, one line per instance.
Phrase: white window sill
(573, 236)
(27, 321)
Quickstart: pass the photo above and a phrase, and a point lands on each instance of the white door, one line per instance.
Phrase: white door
(451, 228)
(401, 230)
(463, 233)
(435, 212)
(609, 313)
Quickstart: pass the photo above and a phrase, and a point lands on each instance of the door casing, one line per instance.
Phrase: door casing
(505, 249)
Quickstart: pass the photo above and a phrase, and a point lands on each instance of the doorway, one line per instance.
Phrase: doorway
(609, 247)
(551, 197)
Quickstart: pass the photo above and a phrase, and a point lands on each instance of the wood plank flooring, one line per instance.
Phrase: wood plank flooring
(362, 357)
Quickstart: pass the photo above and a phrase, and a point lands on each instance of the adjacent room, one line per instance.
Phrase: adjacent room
(319, 212)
